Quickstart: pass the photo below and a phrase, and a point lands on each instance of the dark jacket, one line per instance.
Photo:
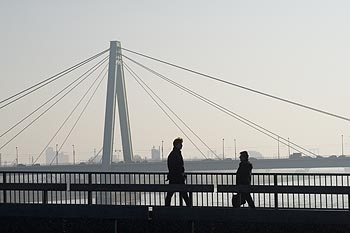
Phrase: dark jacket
(244, 173)
(176, 166)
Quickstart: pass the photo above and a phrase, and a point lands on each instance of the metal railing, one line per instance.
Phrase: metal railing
(269, 190)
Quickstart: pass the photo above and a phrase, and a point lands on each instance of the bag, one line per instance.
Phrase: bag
(237, 200)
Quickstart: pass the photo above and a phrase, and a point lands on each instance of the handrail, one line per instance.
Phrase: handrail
(143, 187)
(33, 187)
(283, 189)
(164, 173)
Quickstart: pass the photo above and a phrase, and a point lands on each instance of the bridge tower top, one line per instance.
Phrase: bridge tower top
(116, 92)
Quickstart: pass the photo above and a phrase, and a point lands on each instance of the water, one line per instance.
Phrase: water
(304, 170)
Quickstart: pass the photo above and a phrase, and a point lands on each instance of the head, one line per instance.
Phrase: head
(177, 143)
(243, 156)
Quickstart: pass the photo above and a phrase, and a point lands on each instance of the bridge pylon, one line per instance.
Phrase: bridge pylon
(116, 92)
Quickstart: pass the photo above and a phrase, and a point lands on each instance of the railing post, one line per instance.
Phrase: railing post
(89, 192)
(4, 180)
(45, 197)
(190, 196)
(180, 198)
(275, 193)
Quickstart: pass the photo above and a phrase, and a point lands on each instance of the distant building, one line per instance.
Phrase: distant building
(255, 154)
(155, 154)
(50, 155)
(63, 158)
(295, 156)
(137, 158)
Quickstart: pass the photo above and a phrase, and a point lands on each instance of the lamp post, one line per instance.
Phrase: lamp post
(73, 154)
(288, 148)
(234, 140)
(278, 147)
(16, 155)
(56, 154)
(342, 144)
(162, 150)
(223, 148)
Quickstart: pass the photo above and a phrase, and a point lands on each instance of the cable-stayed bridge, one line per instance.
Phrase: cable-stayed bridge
(112, 66)
(106, 193)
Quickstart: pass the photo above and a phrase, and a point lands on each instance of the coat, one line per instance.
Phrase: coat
(244, 173)
(176, 167)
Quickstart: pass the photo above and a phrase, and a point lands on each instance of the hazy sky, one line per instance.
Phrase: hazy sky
(297, 50)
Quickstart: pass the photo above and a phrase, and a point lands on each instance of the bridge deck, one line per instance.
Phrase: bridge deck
(109, 197)
(242, 215)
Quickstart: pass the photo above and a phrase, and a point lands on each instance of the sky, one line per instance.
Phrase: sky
(297, 50)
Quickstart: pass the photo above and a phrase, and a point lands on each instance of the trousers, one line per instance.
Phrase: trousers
(183, 195)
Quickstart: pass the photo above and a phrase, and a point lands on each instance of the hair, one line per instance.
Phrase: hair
(244, 153)
(177, 141)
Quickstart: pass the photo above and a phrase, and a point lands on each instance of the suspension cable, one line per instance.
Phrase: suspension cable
(46, 102)
(64, 122)
(48, 80)
(91, 160)
(240, 86)
(82, 112)
(164, 111)
(174, 113)
(32, 122)
(227, 111)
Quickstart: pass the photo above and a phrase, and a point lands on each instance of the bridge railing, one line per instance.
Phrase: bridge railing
(269, 190)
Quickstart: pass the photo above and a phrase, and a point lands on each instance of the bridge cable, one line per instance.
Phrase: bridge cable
(91, 160)
(167, 106)
(72, 110)
(240, 86)
(46, 102)
(227, 111)
(82, 112)
(48, 80)
(32, 122)
(164, 111)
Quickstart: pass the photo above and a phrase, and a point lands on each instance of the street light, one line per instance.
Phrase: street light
(56, 154)
(162, 150)
(16, 155)
(288, 148)
(342, 145)
(223, 148)
(278, 147)
(73, 154)
(235, 148)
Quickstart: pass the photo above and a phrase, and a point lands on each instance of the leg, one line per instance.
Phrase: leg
(250, 201)
(186, 198)
(168, 198)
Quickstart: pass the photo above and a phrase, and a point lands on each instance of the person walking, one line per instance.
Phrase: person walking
(243, 177)
(176, 173)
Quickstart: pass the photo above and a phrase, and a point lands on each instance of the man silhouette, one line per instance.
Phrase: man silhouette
(243, 177)
(176, 169)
